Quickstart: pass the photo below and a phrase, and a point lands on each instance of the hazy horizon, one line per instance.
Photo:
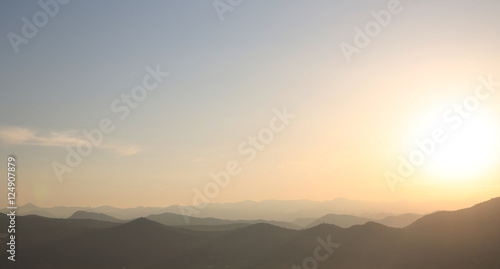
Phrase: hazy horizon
(428, 206)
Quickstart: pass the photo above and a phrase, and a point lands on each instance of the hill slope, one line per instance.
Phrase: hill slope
(468, 238)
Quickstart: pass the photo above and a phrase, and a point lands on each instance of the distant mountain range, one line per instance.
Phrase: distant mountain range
(288, 211)
(206, 224)
(467, 238)
(171, 219)
(164, 216)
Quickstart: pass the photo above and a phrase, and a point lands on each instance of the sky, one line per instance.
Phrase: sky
(334, 95)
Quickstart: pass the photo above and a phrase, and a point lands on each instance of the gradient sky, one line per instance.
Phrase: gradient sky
(353, 120)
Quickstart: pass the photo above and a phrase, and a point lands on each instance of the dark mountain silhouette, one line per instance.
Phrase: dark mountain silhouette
(347, 221)
(134, 245)
(241, 248)
(94, 216)
(35, 230)
(468, 238)
(172, 219)
(213, 228)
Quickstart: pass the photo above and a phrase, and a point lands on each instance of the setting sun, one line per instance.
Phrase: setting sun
(470, 151)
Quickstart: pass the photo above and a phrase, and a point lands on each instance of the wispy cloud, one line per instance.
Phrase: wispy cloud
(25, 136)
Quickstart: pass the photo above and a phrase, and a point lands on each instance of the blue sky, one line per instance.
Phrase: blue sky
(226, 77)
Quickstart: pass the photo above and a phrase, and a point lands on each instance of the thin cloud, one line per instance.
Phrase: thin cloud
(25, 136)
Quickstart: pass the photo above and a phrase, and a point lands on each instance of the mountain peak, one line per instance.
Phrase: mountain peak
(80, 214)
(144, 223)
(30, 206)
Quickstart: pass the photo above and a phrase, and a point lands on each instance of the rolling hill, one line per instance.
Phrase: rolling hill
(468, 238)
